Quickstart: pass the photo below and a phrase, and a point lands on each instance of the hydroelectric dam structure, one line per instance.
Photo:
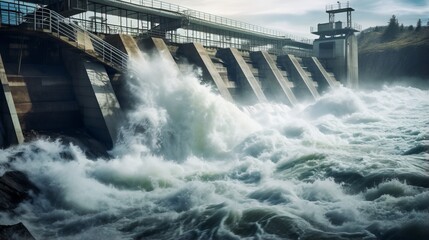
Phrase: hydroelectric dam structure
(63, 62)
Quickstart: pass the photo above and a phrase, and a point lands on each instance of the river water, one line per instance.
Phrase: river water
(190, 165)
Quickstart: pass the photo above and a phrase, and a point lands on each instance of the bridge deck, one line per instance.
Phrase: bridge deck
(189, 19)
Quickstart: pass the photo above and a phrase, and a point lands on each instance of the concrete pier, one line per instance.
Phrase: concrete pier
(197, 54)
(127, 44)
(352, 62)
(99, 106)
(325, 80)
(251, 91)
(158, 47)
(44, 98)
(10, 130)
(277, 85)
(301, 80)
(84, 41)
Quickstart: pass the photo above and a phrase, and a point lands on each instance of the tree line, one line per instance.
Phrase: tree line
(393, 28)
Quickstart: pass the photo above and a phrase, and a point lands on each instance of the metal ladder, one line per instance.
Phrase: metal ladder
(33, 17)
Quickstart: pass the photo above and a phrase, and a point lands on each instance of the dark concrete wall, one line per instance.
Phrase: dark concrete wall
(100, 109)
(10, 129)
(39, 84)
(55, 89)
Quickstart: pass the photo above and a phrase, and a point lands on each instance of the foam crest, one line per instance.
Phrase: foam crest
(192, 165)
(341, 102)
(393, 188)
(184, 116)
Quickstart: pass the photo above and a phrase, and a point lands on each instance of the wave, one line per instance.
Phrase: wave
(192, 165)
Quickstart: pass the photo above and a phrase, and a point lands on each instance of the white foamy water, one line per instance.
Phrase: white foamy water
(190, 165)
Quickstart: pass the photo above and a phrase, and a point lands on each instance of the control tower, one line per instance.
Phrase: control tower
(337, 45)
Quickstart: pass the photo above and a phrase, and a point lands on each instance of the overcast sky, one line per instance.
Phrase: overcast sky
(296, 16)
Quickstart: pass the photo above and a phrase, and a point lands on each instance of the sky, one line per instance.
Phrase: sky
(297, 16)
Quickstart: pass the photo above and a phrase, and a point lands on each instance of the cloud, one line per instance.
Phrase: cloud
(399, 7)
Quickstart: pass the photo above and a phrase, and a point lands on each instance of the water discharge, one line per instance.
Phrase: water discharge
(190, 165)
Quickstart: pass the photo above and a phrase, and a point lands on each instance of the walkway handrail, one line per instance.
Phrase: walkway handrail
(339, 5)
(202, 16)
(46, 20)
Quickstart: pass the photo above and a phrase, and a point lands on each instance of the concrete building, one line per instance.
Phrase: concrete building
(337, 45)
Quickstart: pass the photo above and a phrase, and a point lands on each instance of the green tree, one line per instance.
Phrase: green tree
(410, 28)
(401, 28)
(392, 29)
(419, 25)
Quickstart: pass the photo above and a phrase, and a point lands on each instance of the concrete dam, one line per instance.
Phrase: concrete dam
(63, 63)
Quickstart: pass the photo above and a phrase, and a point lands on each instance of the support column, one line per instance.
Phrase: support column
(298, 73)
(243, 74)
(11, 132)
(323, 77)
(160, 48)
(197, 54)
(126, 44)
(84, 41)
(99, 106)
(352, 62)
(276, 82)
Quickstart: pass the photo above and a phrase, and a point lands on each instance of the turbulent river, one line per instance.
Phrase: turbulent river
(190, 165)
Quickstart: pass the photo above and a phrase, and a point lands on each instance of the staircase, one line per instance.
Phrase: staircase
(303, 81)
(283, 71)
(44, 20)
(223, 71)
(325, 79)
(307, 71)
(254, 69)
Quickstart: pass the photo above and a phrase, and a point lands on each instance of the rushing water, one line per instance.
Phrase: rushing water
(190, 165)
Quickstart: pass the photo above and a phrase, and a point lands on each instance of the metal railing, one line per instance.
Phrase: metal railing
(356, 26)
(173, 36)
(214, 19)
(45, 20)
(338, 5)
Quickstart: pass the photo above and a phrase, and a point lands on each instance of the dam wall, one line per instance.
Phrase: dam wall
(58, 86)
(50, 87)
(39, 84)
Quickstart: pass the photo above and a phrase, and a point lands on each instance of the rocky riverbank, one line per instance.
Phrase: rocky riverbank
(403, 59)
(16, 187)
